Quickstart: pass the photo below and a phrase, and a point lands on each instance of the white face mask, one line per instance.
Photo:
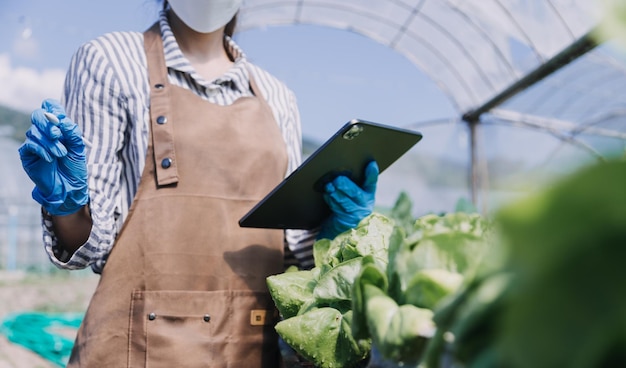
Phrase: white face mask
(205, 16)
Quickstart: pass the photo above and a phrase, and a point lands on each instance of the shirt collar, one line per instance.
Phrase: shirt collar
(236, 77)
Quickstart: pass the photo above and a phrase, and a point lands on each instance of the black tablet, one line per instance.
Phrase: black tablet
(297, 202)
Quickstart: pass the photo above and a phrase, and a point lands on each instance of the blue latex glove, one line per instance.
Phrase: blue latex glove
(348, 202)
(53, 156)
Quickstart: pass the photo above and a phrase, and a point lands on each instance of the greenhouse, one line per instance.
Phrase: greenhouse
(536, 85)
(514, 256)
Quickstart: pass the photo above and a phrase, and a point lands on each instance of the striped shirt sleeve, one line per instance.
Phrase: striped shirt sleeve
(94, 98)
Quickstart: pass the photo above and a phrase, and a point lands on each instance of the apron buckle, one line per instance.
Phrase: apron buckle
(261, 317)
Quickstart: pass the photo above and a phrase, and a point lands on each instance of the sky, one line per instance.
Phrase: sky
(336, 75)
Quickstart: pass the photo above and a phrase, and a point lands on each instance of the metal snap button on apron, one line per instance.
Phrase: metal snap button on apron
(161, 119)
(152, 316)
(206, 318)
(166, 162)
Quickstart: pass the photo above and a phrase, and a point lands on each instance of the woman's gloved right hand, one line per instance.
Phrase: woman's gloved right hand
(348, 202)
(53, 156)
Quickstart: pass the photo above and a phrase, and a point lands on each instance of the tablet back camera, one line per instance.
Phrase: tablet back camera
(353, 132)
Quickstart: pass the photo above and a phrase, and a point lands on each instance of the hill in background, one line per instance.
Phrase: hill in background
(13, 123)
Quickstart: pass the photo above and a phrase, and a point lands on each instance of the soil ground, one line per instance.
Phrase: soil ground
(54, 292)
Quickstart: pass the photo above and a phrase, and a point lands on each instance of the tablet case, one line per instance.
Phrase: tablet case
(298, 203)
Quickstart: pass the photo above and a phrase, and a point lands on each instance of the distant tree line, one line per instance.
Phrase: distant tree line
(13, 123)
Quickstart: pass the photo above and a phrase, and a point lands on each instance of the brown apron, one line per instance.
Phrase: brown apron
(184, 285)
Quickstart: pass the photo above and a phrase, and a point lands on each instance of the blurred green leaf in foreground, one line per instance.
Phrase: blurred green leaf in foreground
(559, 297)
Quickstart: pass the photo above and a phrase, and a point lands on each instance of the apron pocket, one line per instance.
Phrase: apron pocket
(202, 329)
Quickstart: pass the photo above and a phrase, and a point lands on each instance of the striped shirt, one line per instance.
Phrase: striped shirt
(107, 94)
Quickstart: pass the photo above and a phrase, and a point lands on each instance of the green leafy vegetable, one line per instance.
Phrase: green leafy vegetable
(454, 242)
(378, 283)
(552, 297)
(428, 287)
(567, 249)
(316, 305)
(323, 336)
(393, 303)
(370, 275)
(336, 284)
(399, 332)
(292, 290)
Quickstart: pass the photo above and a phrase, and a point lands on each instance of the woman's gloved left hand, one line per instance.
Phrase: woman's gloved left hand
(348, 202)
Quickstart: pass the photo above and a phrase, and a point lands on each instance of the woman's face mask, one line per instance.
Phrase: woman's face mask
(205, 16)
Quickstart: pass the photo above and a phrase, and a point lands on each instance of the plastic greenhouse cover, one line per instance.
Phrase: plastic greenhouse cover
(472, 49)
(475, 49)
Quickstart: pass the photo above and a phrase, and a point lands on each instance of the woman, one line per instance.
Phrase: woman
(179, 137)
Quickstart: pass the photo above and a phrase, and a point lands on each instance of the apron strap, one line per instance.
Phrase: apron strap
(162, 125)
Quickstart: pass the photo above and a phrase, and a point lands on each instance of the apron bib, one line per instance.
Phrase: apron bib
(184, 285)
